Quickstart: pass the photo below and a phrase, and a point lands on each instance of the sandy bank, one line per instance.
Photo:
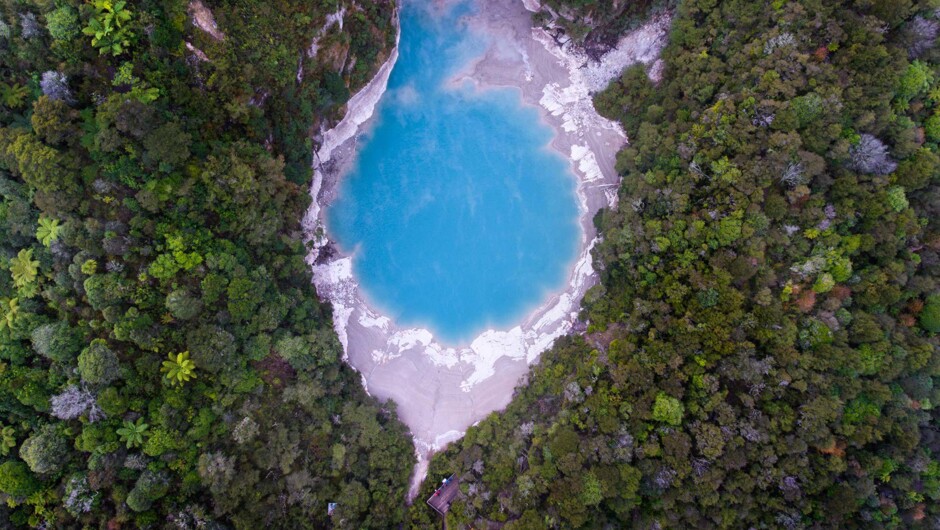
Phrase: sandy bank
(203, 19)
(442, 390)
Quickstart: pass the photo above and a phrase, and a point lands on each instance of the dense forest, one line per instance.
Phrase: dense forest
(164, 360)
(762, 348)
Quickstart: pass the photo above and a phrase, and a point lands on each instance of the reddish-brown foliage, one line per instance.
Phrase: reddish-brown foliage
(835, 448)
(274, 370)
(841, 292)
(806, 301)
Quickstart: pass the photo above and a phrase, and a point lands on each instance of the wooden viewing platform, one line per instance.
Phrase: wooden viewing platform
(442, 497)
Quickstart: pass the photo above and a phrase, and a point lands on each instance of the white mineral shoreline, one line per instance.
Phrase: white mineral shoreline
(441, 390)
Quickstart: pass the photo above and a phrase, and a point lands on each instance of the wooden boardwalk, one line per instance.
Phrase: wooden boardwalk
(440, 500)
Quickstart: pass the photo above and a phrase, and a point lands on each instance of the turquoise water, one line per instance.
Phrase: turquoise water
(458, 214)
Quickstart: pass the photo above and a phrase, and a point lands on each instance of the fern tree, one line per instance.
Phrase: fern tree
(132, 433)
(48, 231)
(24, 268)
(109, 27)
(179, 368)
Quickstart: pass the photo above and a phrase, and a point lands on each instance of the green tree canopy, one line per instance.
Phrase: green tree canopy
(98, 364)
(668, 409)
(45, 451)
